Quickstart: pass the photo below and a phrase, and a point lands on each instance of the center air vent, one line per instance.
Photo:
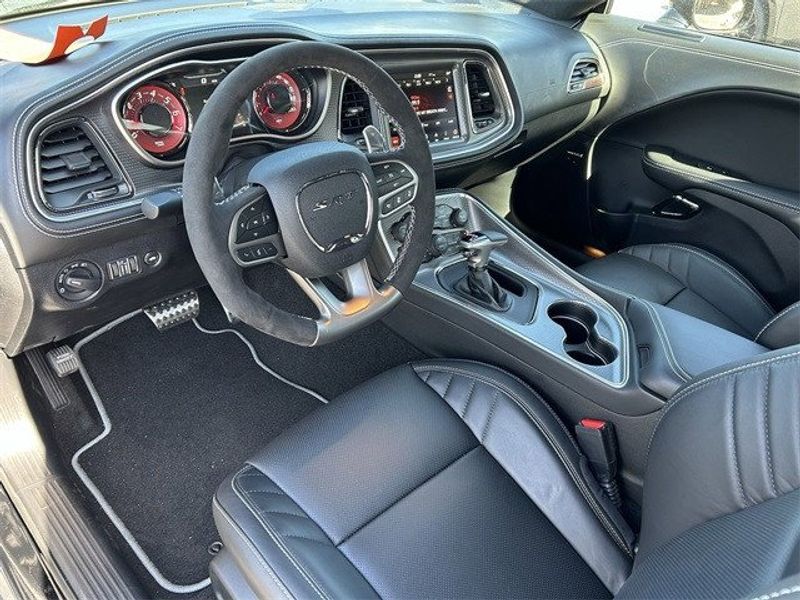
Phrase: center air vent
(481, 95)
(356, 113)
(74, 169)
(585, 75)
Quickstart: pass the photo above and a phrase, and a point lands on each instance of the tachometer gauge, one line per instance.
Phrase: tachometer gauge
(282, 102)
(156, 119)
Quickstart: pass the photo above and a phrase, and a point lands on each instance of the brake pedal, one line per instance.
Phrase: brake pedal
(174, 311)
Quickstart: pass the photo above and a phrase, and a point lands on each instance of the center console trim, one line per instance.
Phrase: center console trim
(589, 298)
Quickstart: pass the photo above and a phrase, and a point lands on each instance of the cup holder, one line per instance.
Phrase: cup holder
(581, 340)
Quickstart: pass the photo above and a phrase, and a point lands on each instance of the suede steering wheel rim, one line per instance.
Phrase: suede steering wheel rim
(324, 197)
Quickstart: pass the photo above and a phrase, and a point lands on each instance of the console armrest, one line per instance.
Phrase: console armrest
(674, 347)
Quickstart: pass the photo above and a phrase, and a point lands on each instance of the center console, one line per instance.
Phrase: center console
(516, 289)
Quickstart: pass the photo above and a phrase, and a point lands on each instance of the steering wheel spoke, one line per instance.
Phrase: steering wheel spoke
(253, 235)
(363, 301)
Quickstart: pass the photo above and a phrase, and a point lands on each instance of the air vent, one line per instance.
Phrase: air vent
(481, 97)
(356, 113)
(73, 170)
(585, 75)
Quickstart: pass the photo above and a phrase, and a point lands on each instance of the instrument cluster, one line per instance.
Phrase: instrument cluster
(157, 112)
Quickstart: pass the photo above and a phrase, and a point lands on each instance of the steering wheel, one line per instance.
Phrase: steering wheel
(314, 207)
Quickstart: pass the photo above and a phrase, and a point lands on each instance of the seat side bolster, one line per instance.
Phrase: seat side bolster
(271, 534)
(724, 443)
(531, 444)
(783, 329)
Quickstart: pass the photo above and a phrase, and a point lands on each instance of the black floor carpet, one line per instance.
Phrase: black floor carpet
(330, 369)
(187, 408)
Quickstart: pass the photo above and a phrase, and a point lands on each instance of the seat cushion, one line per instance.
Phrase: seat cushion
(438, 479)
(688, 280)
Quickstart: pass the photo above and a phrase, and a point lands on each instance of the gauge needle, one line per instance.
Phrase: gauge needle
(142, 126)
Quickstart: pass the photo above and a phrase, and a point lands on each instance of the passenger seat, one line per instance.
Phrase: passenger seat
(695, 282)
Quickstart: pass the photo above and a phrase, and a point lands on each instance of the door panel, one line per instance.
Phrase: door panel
(698, 143)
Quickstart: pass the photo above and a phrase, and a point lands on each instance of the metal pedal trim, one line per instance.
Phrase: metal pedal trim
(174, 311)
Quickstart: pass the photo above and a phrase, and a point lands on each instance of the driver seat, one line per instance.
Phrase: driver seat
(453, 479)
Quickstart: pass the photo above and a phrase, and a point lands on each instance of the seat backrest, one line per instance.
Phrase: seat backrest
(721, 507)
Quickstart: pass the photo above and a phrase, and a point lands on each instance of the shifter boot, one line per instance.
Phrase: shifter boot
(480, 287)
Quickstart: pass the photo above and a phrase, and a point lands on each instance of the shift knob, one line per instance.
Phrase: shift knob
(477, 247)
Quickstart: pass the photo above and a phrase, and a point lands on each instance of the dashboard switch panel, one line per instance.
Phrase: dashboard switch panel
(123, 267)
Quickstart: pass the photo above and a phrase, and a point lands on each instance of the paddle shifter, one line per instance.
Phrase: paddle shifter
(478, 284)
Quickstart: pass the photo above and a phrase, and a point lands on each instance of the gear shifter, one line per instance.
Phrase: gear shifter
(479, 285)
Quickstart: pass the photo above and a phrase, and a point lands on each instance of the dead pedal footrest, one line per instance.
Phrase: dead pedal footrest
(174, 311)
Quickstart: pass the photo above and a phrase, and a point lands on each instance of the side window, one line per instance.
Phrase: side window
(775, 22)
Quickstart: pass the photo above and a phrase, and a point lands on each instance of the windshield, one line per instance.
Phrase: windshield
(16, 8)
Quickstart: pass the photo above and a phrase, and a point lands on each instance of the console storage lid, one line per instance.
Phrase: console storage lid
(673, 347)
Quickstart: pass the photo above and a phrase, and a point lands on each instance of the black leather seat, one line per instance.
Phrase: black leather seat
(698, 283)
(451, 479)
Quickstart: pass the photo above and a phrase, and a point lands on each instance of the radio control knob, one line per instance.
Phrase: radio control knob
(459, 217)
(439, 243)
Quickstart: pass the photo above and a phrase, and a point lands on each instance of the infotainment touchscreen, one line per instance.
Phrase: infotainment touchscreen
(432, 95)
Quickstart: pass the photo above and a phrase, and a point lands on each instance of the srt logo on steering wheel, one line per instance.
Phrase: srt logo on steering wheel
(337, 200)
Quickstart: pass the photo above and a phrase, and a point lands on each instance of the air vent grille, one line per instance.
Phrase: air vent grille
(585, 75)
(356, 112)
(72, 169)
(481, 94)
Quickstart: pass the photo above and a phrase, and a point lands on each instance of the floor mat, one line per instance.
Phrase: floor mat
(330, 369)
(185, 410)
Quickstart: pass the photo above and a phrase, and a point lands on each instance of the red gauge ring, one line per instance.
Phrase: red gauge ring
(281, 102)
(156, 119)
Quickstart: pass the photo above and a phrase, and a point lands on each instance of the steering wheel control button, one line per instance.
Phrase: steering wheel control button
(256, 222)
(259, 252)
(79, 280)
(398, 200)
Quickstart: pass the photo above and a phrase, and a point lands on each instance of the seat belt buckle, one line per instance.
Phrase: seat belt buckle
(599, 443)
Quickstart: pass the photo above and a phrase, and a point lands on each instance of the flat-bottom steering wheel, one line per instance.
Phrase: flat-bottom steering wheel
(313, 208)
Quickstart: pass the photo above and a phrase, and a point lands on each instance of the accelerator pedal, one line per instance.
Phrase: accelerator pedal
(174, 311)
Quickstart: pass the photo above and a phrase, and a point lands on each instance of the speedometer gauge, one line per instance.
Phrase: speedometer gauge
(282, 102)
(155, 118)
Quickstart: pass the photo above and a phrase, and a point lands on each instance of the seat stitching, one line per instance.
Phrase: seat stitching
(521, 382)
(495, 402)
(721, 266)
(784, 312)
(766, 434)
(308, 539)
(252, 547)
(732, 441)
(671, 358)
(469, 399)
(447, 387)
(576, 477)
(782, 592)
(706, 381)
(275, 536)
(729, 270)
(404, 496)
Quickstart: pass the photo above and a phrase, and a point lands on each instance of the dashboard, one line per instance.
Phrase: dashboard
(157, 110)
(93, 143)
